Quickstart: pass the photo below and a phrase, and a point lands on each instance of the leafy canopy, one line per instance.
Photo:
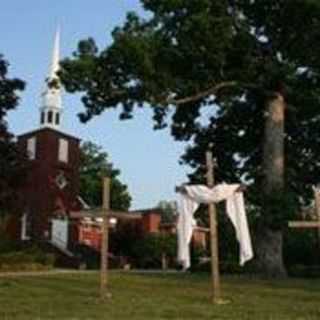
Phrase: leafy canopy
(12, 161)
(226, 55)
(94, 164)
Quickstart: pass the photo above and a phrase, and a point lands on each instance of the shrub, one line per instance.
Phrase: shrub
(301, 247)
(30, 259)
(89, 257)
(148, 251)
(7, 245)
(303, 271)
(125, 238)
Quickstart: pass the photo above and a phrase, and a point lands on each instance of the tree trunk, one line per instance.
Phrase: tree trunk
(269, 241)
(164, 262)
(273, 149)
(269, 260)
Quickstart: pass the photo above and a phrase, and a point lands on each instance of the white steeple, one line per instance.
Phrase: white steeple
(51, 108)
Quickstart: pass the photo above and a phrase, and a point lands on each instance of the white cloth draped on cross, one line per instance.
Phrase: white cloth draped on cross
(189, 202)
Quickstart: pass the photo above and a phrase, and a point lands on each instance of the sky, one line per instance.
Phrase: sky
(148, 159)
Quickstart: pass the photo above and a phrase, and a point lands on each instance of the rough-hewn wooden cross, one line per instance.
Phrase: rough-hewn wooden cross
(310, 224)
(105, 239)
(215, 273)
(214, 245)
(105, 213)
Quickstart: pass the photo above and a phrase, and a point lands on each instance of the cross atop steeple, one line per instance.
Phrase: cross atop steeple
(51, 107)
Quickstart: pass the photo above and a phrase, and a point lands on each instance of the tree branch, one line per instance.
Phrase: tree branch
(214, 90)
(203, 94)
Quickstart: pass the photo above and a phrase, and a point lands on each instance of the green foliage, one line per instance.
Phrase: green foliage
(88, 257)
(27, 259)
(216, 65)
(140, 249)
(12, 161)
(168, 211)
(147, 251)
(301, 248)
(281, 207)
(94, 164)
(301, 253)
(9, 89)
(196, 254)
(230, 56)
(8, 245)
(125, 237)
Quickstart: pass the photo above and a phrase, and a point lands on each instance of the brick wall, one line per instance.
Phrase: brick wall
(151, 222)
(41, 192)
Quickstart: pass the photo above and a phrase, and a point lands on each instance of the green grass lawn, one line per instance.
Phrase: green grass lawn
(169, 296)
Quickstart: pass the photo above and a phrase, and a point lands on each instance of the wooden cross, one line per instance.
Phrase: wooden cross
(105, 239)
(317, 207)
(310, 224)
(105, 213)
(215, 273)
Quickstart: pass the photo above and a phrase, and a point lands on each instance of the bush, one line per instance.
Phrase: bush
(301, 247)
(90, 258)
(7, 245)
(303, 271)
(196, 254)
(148, 251)
(122, 242)
(141, 250)
(30, 259)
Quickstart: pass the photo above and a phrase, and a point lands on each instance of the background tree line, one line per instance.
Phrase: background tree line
(251, 65)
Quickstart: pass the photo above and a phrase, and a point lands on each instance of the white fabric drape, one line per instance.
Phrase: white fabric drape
(235, 209)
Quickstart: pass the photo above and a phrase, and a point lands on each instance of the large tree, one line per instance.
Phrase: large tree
(12, 161)
(94, 164)
(253, 63)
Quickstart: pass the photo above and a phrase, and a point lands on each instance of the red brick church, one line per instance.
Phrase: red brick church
(53, 179)
(53, 209)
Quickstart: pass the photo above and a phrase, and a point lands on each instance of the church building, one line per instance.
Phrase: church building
(53, 180)
(54, 211)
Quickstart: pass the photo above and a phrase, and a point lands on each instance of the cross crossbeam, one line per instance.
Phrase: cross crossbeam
(304, 224)
(310, 224)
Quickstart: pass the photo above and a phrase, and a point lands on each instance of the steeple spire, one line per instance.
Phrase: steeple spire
(51, 108)
(55, 55)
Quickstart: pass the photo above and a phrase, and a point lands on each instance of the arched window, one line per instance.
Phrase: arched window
(50, 116)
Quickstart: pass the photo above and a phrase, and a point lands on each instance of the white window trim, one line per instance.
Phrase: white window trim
(63, 155)
(31, 148)
(24, 223)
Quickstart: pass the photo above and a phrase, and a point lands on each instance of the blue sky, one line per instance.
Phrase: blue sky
(148, 159)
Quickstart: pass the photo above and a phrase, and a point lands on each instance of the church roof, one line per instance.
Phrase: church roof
(60, 133)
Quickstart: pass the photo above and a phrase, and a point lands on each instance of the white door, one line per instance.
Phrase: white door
(59, 235)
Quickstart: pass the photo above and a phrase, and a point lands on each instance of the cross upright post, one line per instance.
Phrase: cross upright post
(317, 208)
(105, 238)
(313, 224)
(215, 274)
